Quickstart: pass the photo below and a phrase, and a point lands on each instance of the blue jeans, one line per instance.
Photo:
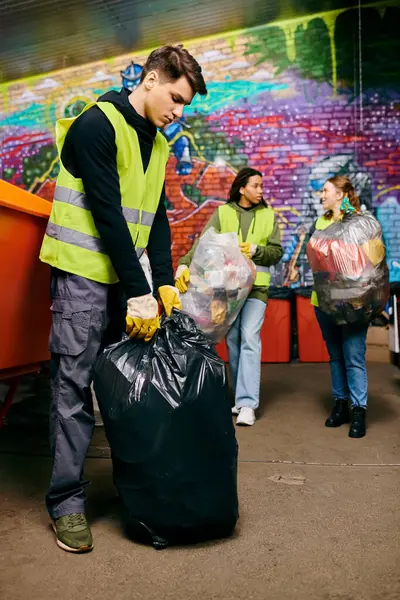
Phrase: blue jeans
(346, 346)
(244, 349)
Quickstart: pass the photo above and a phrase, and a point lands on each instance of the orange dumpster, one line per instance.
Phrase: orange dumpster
(312, 347)
(24, 281)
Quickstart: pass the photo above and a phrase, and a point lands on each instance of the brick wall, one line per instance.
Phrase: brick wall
(290, 98)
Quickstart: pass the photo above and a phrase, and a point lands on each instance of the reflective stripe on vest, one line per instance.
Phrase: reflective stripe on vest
(72, 242)
(132, 215)
(76, 238)
(262, 269)
(259, 232)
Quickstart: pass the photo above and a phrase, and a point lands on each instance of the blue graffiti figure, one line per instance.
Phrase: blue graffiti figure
(131, 76)
(181, 147)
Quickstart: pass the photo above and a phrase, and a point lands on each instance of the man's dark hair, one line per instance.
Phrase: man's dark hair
(174, 62)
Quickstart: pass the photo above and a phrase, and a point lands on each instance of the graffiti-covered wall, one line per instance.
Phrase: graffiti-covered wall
(301, 100)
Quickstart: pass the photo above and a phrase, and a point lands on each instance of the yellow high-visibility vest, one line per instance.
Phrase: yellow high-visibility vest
(72, 242)
(259, 232)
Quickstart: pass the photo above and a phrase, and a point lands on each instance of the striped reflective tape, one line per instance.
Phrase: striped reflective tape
(132, 215)
(77, 238)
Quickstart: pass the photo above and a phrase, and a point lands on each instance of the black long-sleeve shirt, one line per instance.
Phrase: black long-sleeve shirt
(90, 153)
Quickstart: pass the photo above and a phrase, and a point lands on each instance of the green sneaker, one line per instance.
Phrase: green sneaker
(73, 533)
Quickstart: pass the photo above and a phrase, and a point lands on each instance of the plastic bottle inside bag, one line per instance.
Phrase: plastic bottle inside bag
(221, 280)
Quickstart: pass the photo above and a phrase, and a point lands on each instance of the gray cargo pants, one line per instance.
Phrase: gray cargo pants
(86, 316)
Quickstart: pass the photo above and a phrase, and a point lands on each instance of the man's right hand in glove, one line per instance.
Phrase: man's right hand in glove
(182, 278)
(142, 318)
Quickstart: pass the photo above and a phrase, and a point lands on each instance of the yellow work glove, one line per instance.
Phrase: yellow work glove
(248, 249)
(142, 328)
(218, 312)
(142, 319)
(169, 299)
(182, 278)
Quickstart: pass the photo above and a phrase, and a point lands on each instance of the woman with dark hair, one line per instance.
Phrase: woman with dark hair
(346, 343)
(246, 214)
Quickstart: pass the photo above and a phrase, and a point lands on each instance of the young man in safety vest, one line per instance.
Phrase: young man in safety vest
(109, 208)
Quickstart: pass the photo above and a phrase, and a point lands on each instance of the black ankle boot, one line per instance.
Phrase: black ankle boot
(357, 426)
(339, 415)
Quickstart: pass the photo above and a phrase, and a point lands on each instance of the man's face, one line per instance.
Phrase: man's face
(165, 100)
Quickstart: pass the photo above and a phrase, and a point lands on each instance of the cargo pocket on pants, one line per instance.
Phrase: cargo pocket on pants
(70, 327)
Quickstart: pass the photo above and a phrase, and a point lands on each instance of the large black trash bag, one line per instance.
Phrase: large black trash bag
(167, 418)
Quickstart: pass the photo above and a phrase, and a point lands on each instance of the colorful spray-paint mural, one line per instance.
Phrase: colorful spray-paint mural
(301, 100)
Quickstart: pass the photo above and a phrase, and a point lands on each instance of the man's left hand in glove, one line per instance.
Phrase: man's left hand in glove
(169, 298)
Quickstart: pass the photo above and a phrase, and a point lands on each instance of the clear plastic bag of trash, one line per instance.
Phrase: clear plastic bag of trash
(348, 260)
(167, 418)
(221, 278)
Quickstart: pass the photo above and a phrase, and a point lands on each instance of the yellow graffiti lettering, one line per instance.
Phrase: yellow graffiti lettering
(387, 190)
(46, 175)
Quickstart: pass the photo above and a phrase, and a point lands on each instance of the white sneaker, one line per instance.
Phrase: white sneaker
(235, 411)
(246, 416)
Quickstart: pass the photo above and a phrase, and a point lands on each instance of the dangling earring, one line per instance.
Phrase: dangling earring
(346, 206)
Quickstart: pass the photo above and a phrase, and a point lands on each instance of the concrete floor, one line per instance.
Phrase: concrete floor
(320, 514)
